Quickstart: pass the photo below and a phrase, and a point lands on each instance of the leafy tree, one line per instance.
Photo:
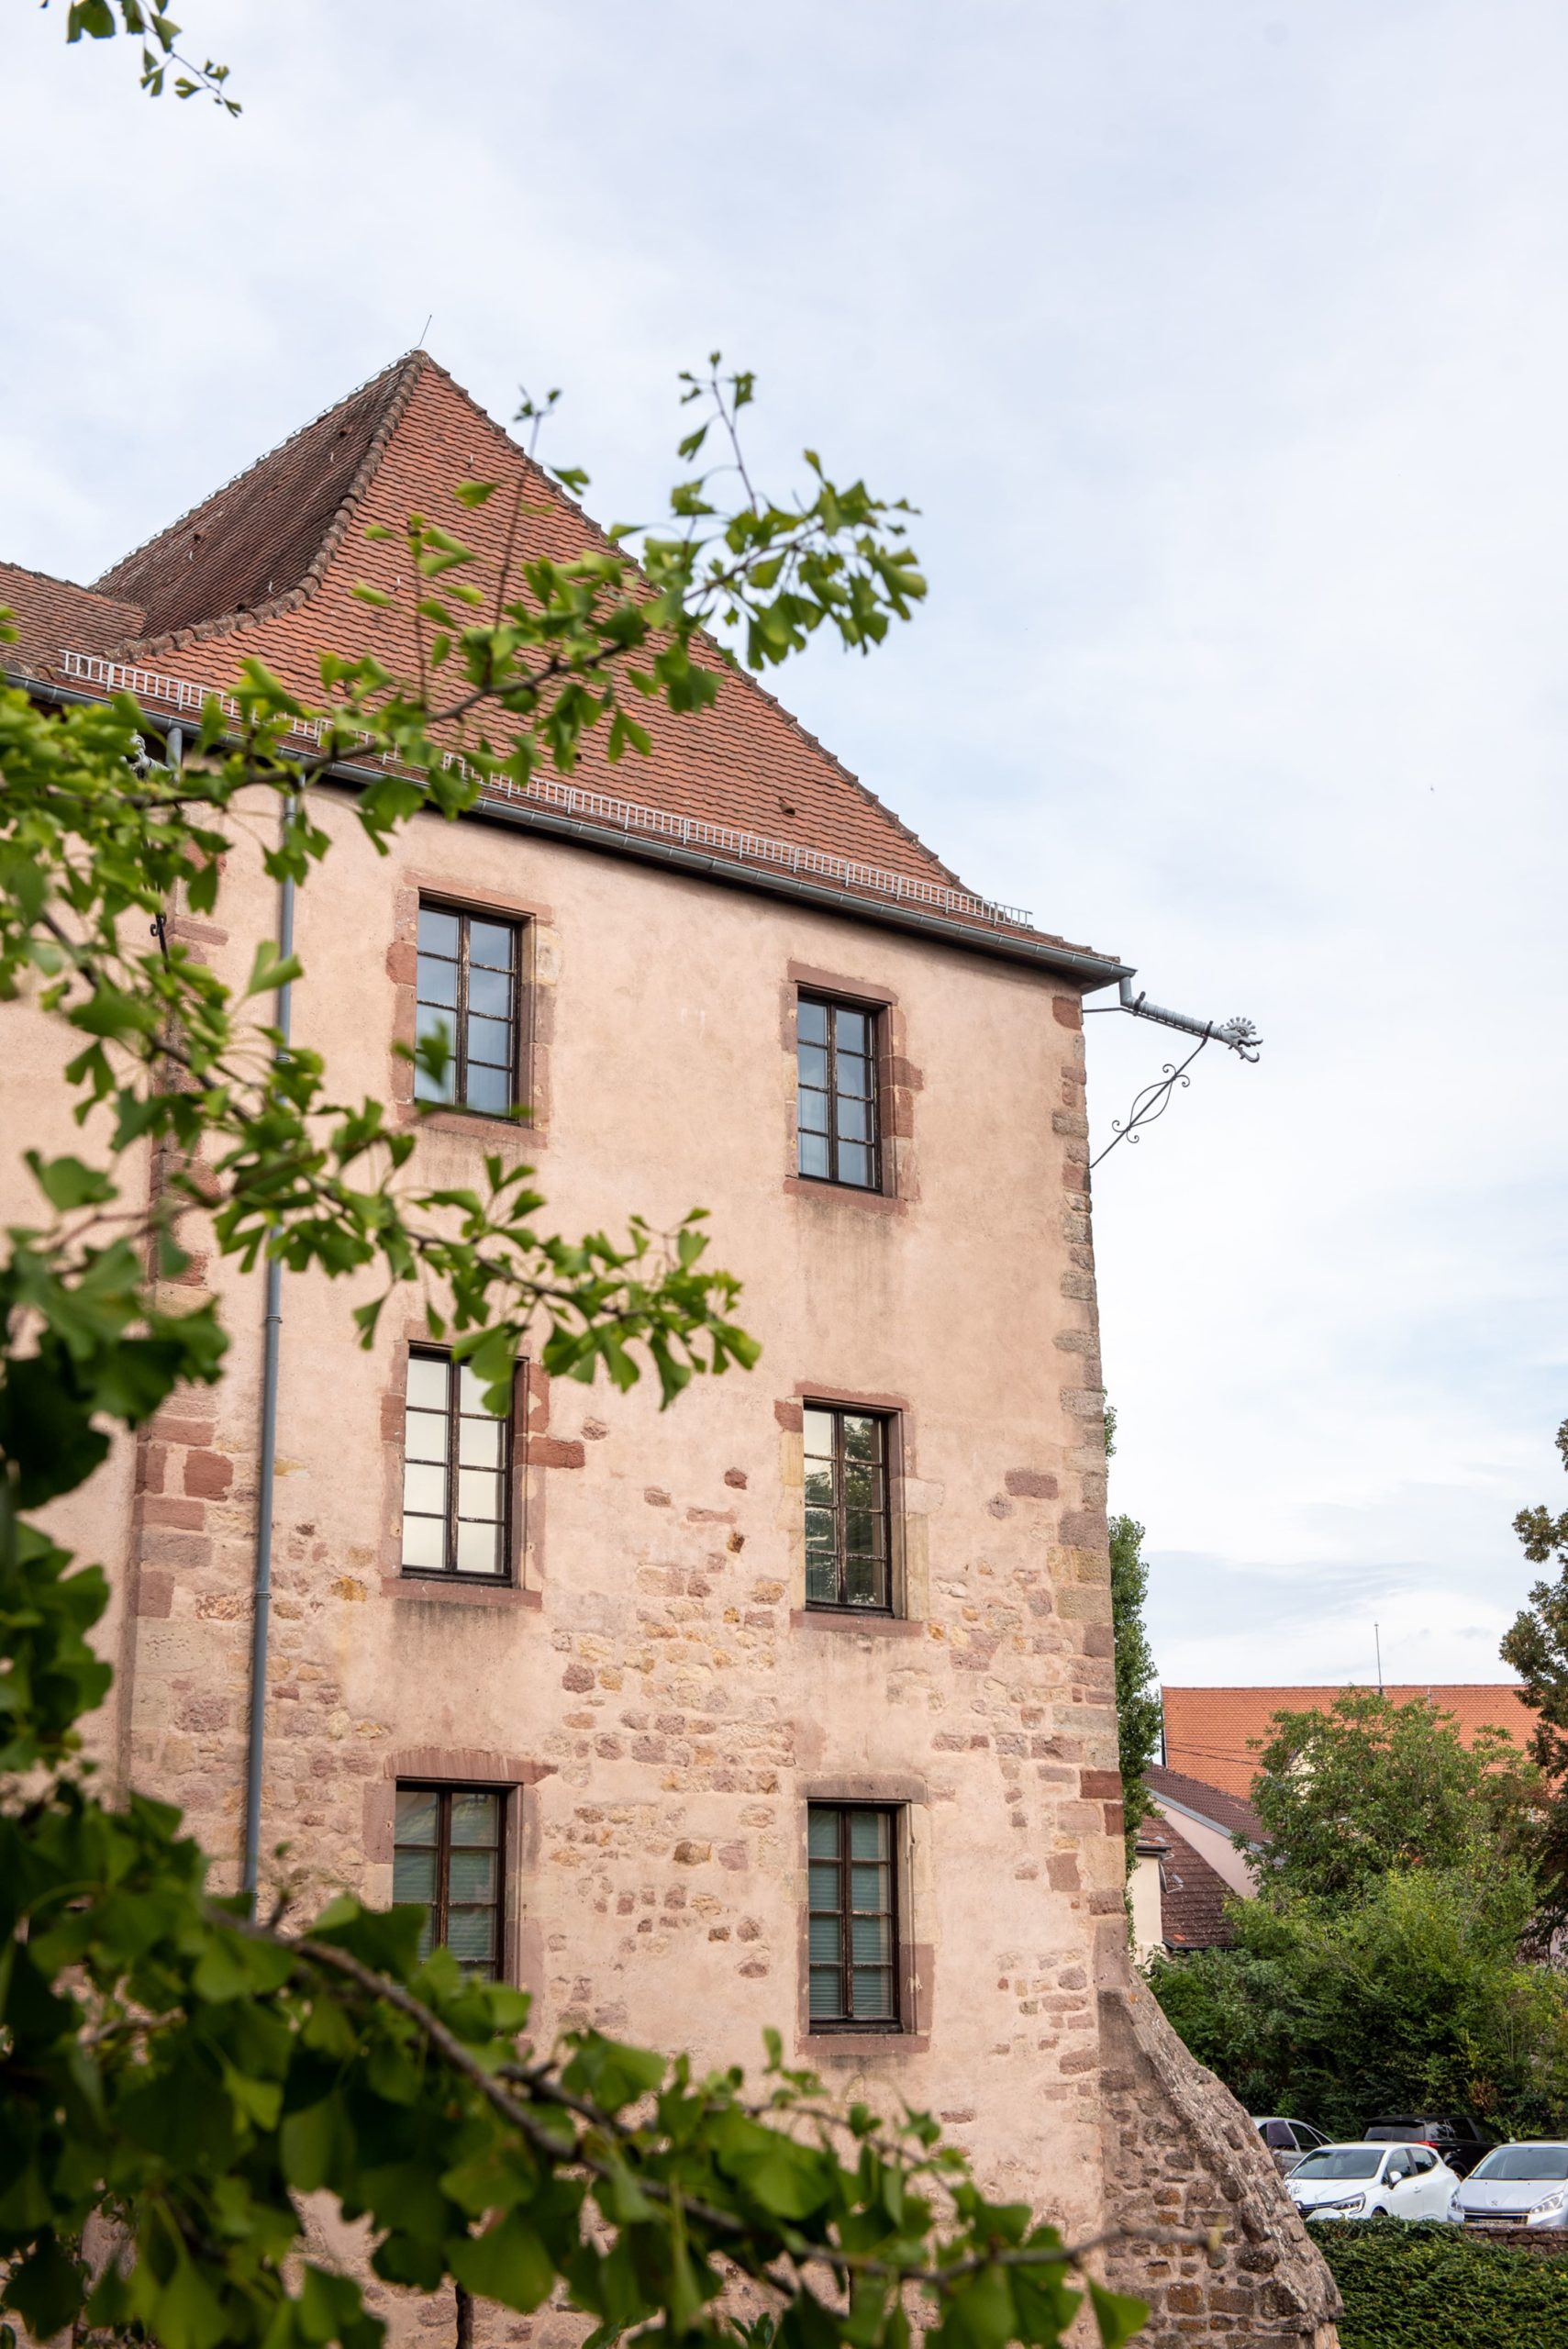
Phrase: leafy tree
(172, 2066)
(1139, 1716)
(1370, 1785)
(1411, 1998)
(1535, 1647)
(1387, 1964)
(102, 20)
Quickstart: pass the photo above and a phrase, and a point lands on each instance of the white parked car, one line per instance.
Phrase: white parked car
(1372, 2181)
(1517, 2186)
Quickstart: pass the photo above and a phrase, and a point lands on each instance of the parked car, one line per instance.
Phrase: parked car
(1287, 2140)
(1517, 2186)
(1457, 2139)
(1373, 2182)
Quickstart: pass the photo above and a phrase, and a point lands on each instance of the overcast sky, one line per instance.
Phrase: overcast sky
(1223, 344)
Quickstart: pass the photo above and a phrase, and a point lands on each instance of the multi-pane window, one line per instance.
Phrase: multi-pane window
(853, 1924)
(468, 993)
(847, 1519)
(446, 1857)
(835, 1113)
(456, 1470)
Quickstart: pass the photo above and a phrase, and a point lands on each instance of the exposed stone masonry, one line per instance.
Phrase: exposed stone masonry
(655, 1696)
(1180, 2152)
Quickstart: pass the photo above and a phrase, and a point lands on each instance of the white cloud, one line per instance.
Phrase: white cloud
(1225, 353)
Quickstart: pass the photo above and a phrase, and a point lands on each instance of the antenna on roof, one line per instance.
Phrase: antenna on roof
(1377, 1643)
(423, 332)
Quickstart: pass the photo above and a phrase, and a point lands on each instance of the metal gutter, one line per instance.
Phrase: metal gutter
(45, 689)
(1090, 972)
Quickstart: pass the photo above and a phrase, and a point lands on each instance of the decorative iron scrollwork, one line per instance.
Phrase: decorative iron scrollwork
(1152, 1103)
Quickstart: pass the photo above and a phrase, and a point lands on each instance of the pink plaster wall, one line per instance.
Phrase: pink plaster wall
(655, 1695)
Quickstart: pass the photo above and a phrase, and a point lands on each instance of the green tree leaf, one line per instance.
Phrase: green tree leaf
(507, 2262)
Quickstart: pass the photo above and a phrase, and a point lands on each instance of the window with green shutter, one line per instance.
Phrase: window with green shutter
(448, 1857)
(854, 1921)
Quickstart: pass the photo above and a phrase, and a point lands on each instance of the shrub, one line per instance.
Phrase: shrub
(1412, 2000)
(1438, 2288)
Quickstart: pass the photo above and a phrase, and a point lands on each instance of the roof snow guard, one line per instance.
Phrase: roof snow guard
(620, 815)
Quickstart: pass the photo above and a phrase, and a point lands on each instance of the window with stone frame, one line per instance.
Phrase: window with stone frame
(848, 1526)
(449, 1858)
(467, 993)
(853, 1956)
(836, 1093)
(457, 1474)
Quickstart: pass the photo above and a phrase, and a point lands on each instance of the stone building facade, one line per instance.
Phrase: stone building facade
(639, 1712)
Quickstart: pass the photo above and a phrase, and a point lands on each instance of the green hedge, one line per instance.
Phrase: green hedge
(1439, 2288)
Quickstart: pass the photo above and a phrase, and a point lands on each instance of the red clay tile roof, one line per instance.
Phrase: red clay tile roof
(400, 446)
(1192, 1897)
(267, 567)
(1208, 1729)
(1224, 1811)
(53, 615)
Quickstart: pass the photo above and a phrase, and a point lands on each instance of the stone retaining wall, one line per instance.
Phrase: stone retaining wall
(1179, 2152)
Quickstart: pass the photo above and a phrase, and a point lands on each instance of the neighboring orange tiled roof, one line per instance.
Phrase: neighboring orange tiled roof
(51, 616)
(1192, 1896)
(417, 434)
(1208, 1729)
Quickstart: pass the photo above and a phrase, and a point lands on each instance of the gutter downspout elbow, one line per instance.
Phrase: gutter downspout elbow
(1238, 1035)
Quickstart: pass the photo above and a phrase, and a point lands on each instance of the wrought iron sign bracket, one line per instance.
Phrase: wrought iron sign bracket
(1237, 1035)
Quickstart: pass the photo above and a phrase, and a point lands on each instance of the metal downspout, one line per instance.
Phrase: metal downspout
(262, 1587)
(129, 1630)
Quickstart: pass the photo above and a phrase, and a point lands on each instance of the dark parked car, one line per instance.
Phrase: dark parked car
(1287, 2141)
(1457, 2139)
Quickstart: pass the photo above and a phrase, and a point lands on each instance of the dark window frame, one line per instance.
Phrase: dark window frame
(440, 1907)
(888, 1426)
(873, 1014)
(891, 2024)
(465, 915)
(453, 1516)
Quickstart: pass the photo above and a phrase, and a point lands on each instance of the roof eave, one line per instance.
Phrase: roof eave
(1086, 972)
(1217, 1826)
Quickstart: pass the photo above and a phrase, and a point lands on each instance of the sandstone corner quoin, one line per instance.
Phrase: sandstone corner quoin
(794, 1706)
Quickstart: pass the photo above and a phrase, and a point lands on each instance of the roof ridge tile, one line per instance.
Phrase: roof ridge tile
(58, 579)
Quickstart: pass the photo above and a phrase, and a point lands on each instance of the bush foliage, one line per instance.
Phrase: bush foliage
(1413, 1999)
(1140, 1715)
(1438, 2288)
(1385, 1965)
